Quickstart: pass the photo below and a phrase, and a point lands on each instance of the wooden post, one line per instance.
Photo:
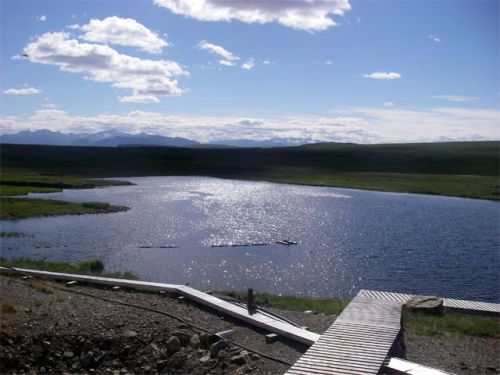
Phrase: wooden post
(251, 305)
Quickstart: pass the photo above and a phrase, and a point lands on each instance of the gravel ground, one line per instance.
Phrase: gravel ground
(464, 355)
(47, 330)
(55, 331)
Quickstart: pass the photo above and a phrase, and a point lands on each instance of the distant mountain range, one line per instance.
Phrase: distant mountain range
(113, 138)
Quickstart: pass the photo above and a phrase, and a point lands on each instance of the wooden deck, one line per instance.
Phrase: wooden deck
(361, 338)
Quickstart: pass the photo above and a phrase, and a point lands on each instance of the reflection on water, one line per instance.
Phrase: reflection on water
(347, 239)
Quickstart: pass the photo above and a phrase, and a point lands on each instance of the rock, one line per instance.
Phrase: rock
(173, 344)
(147, 369)
(271, 337)
(183, 326)
(255, 357)
(42, 370)
(205, 340)
(215, 347)
(68, 354)
(183, 337)
(239, 359)
(87, 359)
(204, 359)
(222, 355)
(194, 341)
(131, 334)
(428, 304)
(123, 371)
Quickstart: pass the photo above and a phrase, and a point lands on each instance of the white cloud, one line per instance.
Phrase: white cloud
(139, 99)
(227, 63)
(383, 75)
(455, 98)
(389, 104)
(101, 63)
(267, 62)
(434, 38)
(249, 64)
(357, 125)
(228, 58)
(328, 62)
(25, 91)
(41, 18)
(310, 15)
(123, 32)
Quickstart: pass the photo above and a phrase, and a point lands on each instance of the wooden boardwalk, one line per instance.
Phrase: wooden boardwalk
(357, 342)
(258, 319)
(362, 336)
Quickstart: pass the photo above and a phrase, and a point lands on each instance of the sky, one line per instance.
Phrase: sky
(298, 70)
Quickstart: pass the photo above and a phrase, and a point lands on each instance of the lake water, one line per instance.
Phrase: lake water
(347, 239)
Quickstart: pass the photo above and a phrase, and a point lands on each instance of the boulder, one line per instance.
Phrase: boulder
(428, 304)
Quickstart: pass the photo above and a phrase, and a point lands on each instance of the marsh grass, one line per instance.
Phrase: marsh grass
(16, 208)
(450, 323)
(92, 267)
(326, 306)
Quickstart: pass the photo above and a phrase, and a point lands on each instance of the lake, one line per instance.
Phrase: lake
(347, 239)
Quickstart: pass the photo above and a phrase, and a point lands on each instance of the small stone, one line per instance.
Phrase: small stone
(87, 359)
(222, 354)
(239, 359)
(68, 354)
(131, 334)
(70, 283)
(215, 347)
(146, 369)
(42, 370)
(205, 359)
(194, 341)
(116, 372)
(183, 337)
(183, 326)
(271, 337)
(173, 344)
(255, 357)
(308, 312)
(116, 287)
(123, 370)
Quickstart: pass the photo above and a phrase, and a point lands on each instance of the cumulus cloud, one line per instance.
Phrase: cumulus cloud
(355, 125)
(41, 18)
(228, 58)
(25, 91)
(101, 63)
(455, 98)
(123, 32)
(383, 75)
(310, 15)
(248, 65)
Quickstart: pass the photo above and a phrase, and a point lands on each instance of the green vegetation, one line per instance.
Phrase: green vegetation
(14, 208)
(462, 169)
(8, 308)
(92, 267)
(13, 234)
(24, 190)
(450, 323)
(326, 306)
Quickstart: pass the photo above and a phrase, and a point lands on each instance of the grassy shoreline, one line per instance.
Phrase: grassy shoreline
(460, 169)
(23, 208)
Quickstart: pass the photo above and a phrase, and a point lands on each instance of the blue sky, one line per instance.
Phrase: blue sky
(323, 70)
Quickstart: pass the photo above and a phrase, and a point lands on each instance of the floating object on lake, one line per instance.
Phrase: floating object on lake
(240, 244)
(159, 247)
(287, 242)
